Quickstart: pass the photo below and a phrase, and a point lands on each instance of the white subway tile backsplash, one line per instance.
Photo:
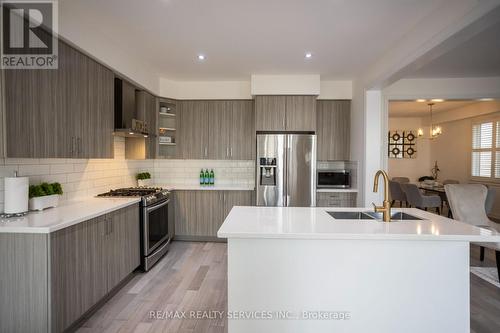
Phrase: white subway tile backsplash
(82, 178)
(32, 170)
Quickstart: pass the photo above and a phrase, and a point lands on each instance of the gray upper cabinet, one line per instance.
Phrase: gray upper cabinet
(218, 129)
(62, 113)
(301, 113)
(242, 138)
(147, 107)
(270, 113)
(285, 113)
(192, 130)
(333, 130)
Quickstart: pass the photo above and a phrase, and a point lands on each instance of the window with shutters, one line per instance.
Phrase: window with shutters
(485, 159)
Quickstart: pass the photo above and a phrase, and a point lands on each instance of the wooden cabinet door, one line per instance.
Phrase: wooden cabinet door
(270, 113)
(236, 198)
(301, 113)
(193, 133)
(73, 84)
(31, 116)
(147, 109)
(99, 122)
(185, 214)
(198, 213)
(333, 130)
(219, 129)
(336, 199)
(123, 244)
(78, 266)
(242, 141)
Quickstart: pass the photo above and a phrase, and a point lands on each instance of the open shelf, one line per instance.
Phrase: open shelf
(167, 114)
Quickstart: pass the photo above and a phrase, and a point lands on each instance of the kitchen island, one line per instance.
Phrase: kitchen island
(303, 270)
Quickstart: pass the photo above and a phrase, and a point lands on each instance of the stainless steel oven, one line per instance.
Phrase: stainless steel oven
(333, 179)
(155, 232)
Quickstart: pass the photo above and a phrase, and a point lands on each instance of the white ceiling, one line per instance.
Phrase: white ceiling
(418, 109)
(477, 57)
(242, 37)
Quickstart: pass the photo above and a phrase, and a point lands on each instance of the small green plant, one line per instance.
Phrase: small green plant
(143, 175)
(45, 189)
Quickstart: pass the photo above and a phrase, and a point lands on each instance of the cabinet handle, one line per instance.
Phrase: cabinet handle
(227, 151)
(206, 151)
(79, 145)
(283, 122)
(231, 151)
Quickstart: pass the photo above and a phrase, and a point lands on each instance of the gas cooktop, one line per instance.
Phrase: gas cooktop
(149, 195)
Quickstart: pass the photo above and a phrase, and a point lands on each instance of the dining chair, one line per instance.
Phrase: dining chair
(446, 182)
(467, 202)
(401, 179)
(397, 193)
(490, 200)
(417, 199)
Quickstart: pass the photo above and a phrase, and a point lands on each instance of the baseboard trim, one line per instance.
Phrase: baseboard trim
(186, 238)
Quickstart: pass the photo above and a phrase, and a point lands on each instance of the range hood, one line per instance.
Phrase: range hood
(128, 122)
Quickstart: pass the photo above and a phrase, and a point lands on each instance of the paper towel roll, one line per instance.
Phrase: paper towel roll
(16, 195)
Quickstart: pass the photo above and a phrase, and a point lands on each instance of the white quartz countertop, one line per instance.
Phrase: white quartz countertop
(67, 214)
(208, 187)
(316, 223)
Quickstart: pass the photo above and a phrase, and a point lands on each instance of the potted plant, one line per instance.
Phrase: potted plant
(144, 179)
(44, 195)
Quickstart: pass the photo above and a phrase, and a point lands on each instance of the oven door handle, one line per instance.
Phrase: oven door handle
(157, 206)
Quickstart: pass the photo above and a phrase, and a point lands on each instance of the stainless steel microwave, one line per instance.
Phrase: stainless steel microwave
(333, 179)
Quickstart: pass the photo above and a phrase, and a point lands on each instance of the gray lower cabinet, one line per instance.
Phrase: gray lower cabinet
(336, 199)
(199, 214)
(53, 279)
(333, 130)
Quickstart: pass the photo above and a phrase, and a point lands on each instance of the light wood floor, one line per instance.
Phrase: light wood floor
(192, 276)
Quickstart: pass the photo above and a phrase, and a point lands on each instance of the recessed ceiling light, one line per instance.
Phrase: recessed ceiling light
(437, 100)
(485, 99)
(420, 100)
(201, 57)
(308, 55)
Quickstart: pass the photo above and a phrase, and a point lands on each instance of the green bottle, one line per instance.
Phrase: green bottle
(202, 177)
(207, 177)
(212, 177)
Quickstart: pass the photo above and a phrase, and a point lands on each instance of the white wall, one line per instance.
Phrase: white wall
(456, 88)
(205, 89)
(374, 146)
(415, 167)
(285, 84)
(328, 89)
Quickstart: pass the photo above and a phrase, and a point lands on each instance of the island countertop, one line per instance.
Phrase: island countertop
(316, 223)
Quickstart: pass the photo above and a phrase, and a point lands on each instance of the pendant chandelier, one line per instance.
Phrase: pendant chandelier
(434, 131)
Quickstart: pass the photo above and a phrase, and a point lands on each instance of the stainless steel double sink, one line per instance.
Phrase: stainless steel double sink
(369, 215)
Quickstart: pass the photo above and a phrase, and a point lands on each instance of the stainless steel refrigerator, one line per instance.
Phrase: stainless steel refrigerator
(286, 170)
